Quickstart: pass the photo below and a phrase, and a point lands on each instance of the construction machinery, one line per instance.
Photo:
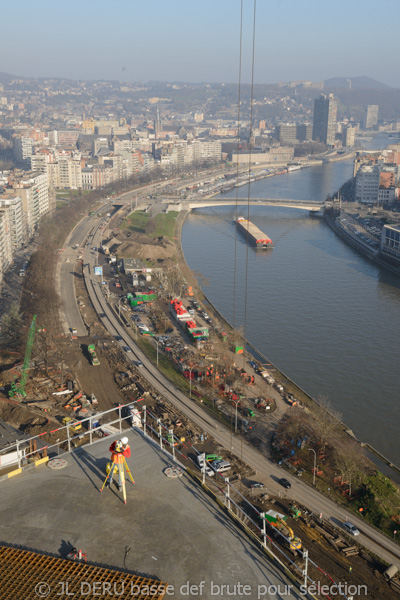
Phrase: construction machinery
(71, 424)
(93, 355)
(294, 541)
(295, 512)
(74, 403)
(19, 390)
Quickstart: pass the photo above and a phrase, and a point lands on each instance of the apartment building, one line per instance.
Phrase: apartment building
(367, 184)
(13, 204)
(6, 254)
(41, 159)
(348, 136)
(23, 149)
(33, 190)
(386, 195)
(390, 241)
(290, 133)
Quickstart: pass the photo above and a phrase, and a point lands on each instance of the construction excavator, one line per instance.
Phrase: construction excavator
(294, 541)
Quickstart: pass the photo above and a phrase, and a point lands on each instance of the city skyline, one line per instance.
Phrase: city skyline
(180, 42)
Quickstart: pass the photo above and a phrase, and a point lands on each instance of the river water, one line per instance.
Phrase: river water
(323, 314)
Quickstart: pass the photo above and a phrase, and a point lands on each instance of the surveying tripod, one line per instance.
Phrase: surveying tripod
(118, 462)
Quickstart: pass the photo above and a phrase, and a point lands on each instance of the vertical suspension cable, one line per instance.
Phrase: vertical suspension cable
(237, 188)
(237, 163)
(248, 198)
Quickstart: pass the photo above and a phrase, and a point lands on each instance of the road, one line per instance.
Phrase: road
(270, 471)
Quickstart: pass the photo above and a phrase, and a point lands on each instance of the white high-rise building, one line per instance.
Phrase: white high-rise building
(23, 148)
(367, 184)
(34, 191)
(5, 242)
(13, 204)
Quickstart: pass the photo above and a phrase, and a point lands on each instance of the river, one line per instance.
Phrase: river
(322, 313)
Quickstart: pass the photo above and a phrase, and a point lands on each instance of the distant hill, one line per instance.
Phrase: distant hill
(6, 77)
(356, 83)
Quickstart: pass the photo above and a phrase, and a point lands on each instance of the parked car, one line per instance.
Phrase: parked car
(139, 363)
(254, 485)
(285, 483)
(350, 528)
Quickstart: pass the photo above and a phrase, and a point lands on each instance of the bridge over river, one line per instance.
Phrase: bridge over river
(285, 202)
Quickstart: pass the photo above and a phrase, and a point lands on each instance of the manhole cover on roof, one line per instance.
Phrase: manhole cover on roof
(173, 472)
(57, 463)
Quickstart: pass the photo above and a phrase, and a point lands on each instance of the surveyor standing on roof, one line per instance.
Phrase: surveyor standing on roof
(115, 447)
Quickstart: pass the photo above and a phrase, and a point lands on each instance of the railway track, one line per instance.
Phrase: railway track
(300, 492)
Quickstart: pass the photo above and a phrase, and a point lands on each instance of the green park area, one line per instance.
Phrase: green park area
(162, 224)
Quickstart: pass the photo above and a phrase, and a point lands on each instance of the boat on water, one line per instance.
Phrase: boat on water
(254, 234)
(316, 214)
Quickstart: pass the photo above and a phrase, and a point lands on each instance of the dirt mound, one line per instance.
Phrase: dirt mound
(20, 417)
(161, 248)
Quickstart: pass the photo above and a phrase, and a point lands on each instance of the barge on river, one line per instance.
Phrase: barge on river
(257, 237)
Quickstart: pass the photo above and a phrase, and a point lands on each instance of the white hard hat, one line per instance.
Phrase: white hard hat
(124, 440)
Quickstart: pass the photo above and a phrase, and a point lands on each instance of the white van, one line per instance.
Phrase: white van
(221, 465)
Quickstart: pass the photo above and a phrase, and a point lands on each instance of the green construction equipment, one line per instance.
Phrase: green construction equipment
(294, 510)
(93, 355)
(19, 390)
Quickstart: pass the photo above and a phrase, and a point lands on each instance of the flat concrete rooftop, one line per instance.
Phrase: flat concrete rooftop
(175, 532)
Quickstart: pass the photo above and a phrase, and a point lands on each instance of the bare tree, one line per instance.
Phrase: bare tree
(349, 460)
(11, 327)
(326, 422)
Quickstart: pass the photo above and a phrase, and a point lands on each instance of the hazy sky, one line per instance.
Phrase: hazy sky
(176, 40)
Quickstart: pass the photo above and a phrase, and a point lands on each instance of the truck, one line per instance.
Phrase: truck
(93, 355)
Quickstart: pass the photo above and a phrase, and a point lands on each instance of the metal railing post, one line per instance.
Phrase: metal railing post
(160, 433)
(305, 571)
(203, 468)
(171, 433)
(18, 456)
(69, 439)
(264, 530)
(228, 494)
(120, 418)
(144, 420)
(90, 431)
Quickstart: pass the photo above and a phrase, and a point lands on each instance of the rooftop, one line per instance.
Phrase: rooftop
(174, 531)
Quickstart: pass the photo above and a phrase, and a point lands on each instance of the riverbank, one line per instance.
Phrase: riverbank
(357, 244)
(261, 172)
(286, 380)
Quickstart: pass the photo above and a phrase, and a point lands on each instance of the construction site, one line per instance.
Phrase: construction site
(67, 408)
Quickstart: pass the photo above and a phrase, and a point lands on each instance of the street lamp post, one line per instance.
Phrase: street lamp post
(315, 464)
(236, 410)
(190, 381)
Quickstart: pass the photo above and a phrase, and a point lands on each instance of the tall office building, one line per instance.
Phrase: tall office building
(371, 116)
(324, 123)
